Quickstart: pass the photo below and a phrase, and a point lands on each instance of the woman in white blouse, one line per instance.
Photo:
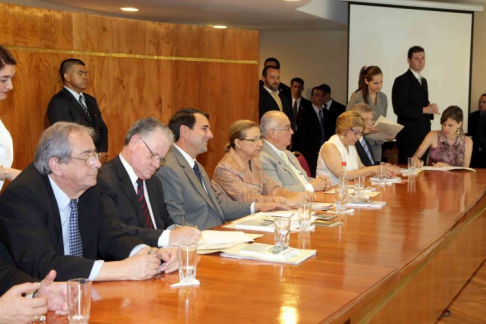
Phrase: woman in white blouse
(7, 72)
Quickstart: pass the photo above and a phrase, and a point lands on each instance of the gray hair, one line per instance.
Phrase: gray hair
(268, 121)
(147, 125)
(54, 142)
(362, 108)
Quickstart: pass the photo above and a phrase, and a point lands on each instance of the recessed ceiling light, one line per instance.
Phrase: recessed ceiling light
(129, 9)
(220, 27)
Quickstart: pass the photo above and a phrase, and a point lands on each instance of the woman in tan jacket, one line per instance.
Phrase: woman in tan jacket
(239, 175)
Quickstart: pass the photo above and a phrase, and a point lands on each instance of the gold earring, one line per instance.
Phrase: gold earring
(458, 132)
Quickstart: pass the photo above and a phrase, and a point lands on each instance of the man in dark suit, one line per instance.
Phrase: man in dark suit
(271, 98)
(285, 89)
(187, 188)
(332, 110)
(298, 103)
(362, 145)
(410, 98)
(72, 105)
(478, 159)
(311, 123)
(133, 197)
(51, 216)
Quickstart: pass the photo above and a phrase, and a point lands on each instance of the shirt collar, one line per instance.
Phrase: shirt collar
(328, 104)
(186, 156)
(417, 75)
(62, 199)
(316, 109)
(74, 93)
(271, 91)
(279, 152)
(128, 167)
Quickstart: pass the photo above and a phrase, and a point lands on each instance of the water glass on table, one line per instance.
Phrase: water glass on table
(282, 231)
(79, 300)
(341, 192)
(359, 188)
(187, 263)
(412, 168)
(305, 212)
(381, 174)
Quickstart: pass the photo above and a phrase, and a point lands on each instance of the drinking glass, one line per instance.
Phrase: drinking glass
(341, 199)
(382, 174)
(79, 300)
(187, 263)
(359, 188)
(411, 165)
(282, 231)
(305, 212)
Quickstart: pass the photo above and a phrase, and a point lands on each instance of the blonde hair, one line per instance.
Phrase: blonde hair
(237, 130)
(348, 120)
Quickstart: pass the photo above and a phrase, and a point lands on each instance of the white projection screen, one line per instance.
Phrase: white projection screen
(382, 35)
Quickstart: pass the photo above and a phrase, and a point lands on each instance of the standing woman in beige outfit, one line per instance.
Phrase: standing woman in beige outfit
(239, 175)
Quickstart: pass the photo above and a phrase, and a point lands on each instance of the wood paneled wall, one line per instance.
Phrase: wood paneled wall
(136, 69)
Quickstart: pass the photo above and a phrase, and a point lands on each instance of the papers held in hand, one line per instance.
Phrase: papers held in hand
(386, 129)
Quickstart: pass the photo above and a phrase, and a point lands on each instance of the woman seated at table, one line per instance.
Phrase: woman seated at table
(239, 175)
(449, 146)
(340, 147)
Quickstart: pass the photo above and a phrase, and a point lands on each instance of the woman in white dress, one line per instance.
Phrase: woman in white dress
(7, 72)
(340, 147)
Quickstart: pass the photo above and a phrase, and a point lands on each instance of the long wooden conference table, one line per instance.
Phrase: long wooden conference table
(400, 264)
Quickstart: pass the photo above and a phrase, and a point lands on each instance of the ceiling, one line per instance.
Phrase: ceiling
(262, 15)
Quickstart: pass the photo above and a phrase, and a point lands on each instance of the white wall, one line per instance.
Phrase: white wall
(316, 57)
(478, 84)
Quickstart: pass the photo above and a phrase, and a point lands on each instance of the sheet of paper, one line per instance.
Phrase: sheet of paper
(386, 129)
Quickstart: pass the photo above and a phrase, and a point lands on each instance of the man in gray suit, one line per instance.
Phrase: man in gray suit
(279, 163)
(187, 189)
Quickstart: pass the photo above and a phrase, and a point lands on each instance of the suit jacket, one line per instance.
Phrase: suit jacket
(285, 89)
(477, 159)
(120, 201)
(310, 137)
(304, 104)
(481, 139)
(362, 153)
(266, 103)
(64, 107)
(186, 199)
(279, 171)
(9, 274)
(330, 117)
(408, 98)
(30, 228)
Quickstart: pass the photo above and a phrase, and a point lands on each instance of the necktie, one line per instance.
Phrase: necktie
(367, 149)
(197, 172)
(75, 243)
(277, 99)
(294, 115)
(321, 120)
(81, 102)
(143, 204)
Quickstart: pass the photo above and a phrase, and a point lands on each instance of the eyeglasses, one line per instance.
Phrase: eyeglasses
(284, 128)
(155, 157)
(371, 120)
(92, 158)
(356, 132)
(254, 140)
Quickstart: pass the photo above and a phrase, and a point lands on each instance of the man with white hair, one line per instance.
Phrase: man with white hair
(279, 163)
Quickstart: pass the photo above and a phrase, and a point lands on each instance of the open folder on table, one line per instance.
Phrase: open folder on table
(263, 222)
(214, 241)
(386, 129)
(269, 253)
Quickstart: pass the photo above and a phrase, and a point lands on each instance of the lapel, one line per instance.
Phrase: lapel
(76, 104)
(154, 201)
(128, 189)
(189, 172)
(416, 83)
(56, 216)
(270, 151)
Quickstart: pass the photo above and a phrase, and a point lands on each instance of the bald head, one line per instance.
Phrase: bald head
(276, 129)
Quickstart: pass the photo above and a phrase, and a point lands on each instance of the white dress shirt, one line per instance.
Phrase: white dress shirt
(6, 149)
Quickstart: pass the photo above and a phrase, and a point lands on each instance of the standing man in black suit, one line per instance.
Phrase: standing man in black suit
(285, 89)
(312, 126)
(51, 216)
(332, 110)
(271, 98)
(133, 196)
(72, 105)
(298, 103)
(410, 98)
(478, 159)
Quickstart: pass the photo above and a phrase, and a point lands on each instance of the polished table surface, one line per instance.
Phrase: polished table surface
(353, 260)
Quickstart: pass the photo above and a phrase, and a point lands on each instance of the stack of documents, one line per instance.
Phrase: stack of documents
(214, 241)
(269, 253)
(390, 180)
(367, 204)
(263, 222)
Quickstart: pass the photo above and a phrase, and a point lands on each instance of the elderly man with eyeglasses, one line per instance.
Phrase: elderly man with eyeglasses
(52, 218)
(280, 164)
(133, 196)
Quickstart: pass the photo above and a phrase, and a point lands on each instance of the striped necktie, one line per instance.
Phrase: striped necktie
(367, 149)
(143, 204)
(75, 243)
(81, 102)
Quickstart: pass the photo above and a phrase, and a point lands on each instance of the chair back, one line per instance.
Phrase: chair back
(303, 162)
